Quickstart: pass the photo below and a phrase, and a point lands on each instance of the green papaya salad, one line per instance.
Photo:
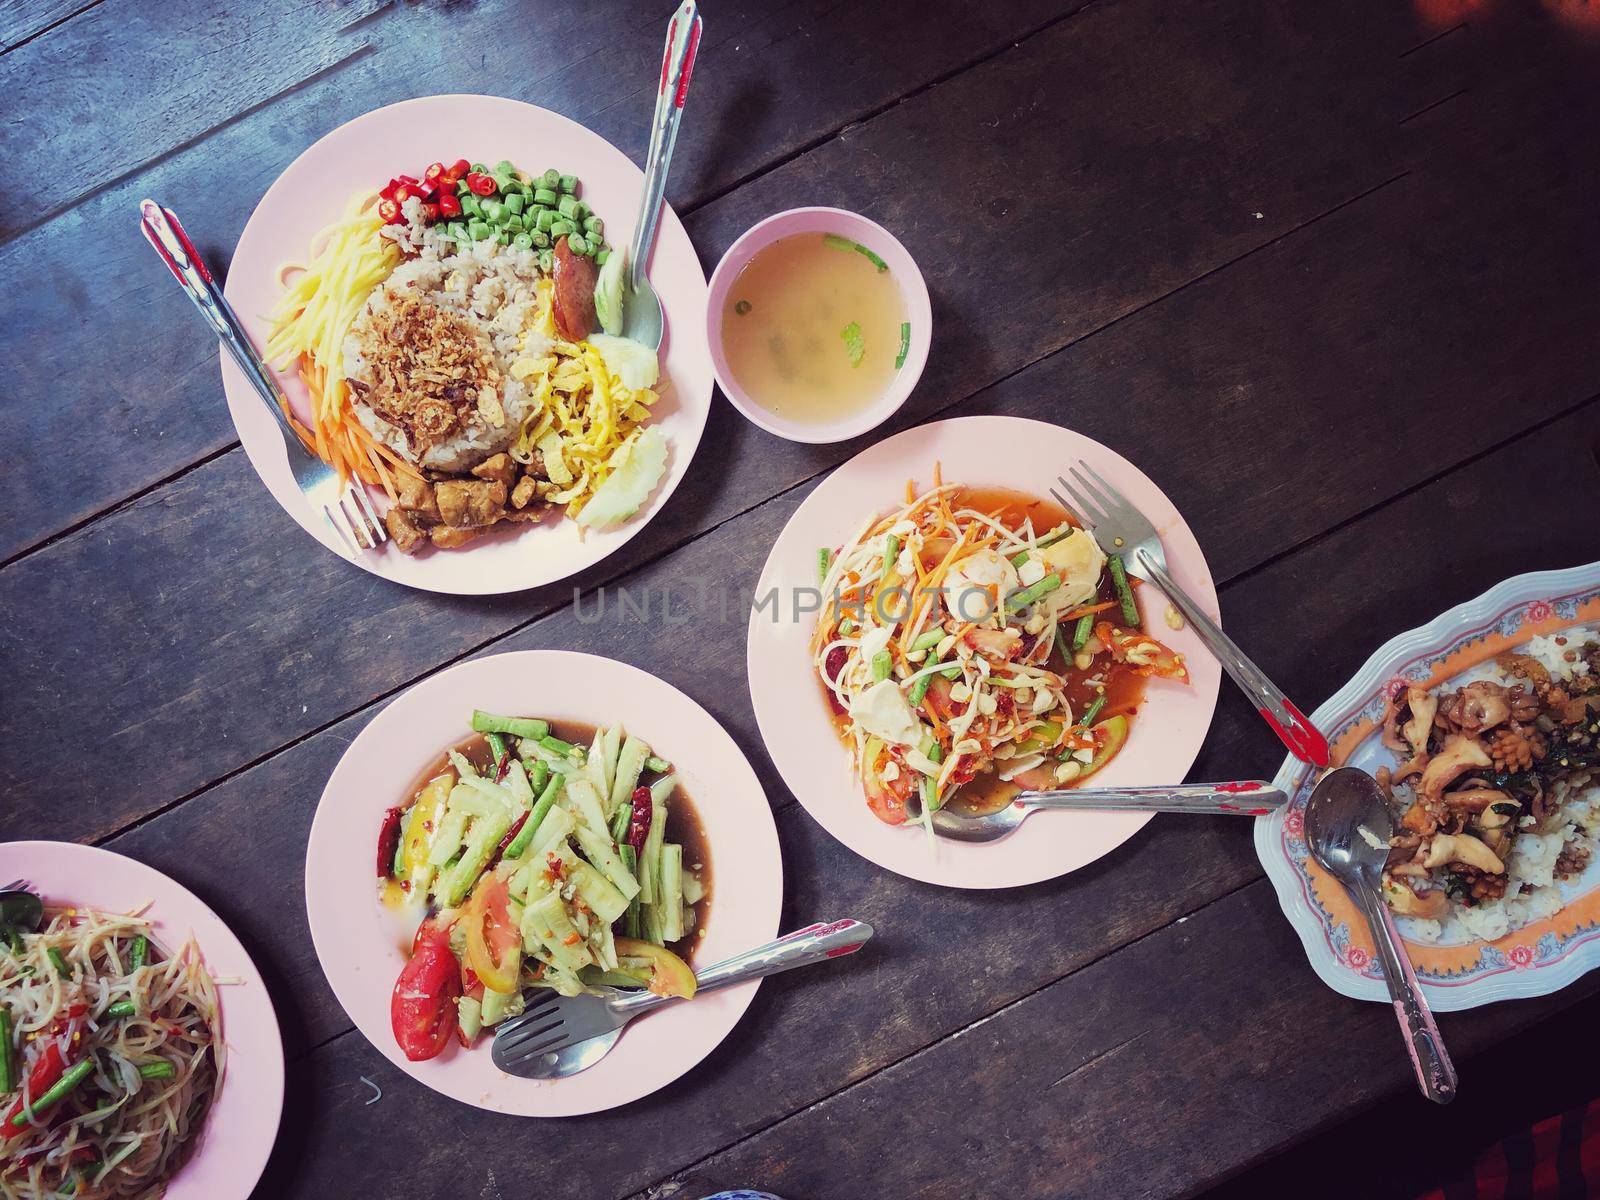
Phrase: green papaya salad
(539, 857)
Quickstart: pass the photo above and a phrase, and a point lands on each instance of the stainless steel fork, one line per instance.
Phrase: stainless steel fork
(345, 506)
(1122, 529)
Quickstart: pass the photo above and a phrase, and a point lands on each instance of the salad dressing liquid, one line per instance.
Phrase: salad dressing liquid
(812, 330)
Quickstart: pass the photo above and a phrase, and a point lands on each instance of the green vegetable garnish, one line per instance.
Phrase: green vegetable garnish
(844, 243)
(853, 345)
(905, 345)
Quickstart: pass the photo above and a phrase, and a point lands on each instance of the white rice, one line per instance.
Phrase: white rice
(491, 286)
(1561, 652)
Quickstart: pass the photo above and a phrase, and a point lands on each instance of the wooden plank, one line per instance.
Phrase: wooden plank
(1311, 618)
(83, 347)
(170, 73)
(1152, 1073)
(23, 19)
(1396, 308)
(1149, 137)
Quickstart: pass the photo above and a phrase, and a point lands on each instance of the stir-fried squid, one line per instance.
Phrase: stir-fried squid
(114, 1056)
(959, 639)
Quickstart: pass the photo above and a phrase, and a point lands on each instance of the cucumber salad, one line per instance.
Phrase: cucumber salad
(534, 860)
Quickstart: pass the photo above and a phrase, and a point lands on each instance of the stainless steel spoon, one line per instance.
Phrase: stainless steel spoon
(1247, 798)
(21, 908)
(1348, 827)
(642, 318)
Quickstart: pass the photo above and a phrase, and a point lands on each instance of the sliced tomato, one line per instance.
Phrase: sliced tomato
(494, 944)
(888, 799)
(422, 1009)
(939, 700)
(669, 974)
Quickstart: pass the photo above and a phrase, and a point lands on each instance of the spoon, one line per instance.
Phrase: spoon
(1348, 827)
(642, 318)
(20, 908)
(1249, 798)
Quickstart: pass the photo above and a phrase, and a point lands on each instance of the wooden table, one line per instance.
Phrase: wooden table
(1326, 272)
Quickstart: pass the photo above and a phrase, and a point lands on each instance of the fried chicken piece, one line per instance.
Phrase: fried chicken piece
(531, 515)
(470, 503)
(415, 495)
(523, 494)
(446, 538)
(497, 468)
(409, 536)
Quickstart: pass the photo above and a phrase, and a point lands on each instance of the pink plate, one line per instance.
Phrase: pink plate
(794, 716)
(238, 1134)
(364, 154)
(359, 940)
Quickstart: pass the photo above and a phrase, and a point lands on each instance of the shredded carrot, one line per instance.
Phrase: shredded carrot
(340, 440)
(1087, 609)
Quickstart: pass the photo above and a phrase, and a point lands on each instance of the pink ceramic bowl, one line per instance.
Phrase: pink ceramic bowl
(912, 288)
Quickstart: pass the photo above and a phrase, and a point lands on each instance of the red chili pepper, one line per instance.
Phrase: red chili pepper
(406, 179)
(461, 167)
(639, 823)
(430, 212)
(511, 834)
(389, 212)
(403, 192)
(431, 175)
(449, 205)
(47, 1068)
(388, 842)
(481, 185)
(426, 190)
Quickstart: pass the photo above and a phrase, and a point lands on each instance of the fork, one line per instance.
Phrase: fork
(344, 505)
(1122, 529)
(554, 1023)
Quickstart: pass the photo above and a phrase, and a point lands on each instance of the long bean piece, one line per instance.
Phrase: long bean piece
(8, 1055)
(528, 727)
(140, 954)
(75, 1074)
(1119, 580)
(1021, 599)
(1081, 632)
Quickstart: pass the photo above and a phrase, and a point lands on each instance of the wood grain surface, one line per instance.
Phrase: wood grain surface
(1326, 274)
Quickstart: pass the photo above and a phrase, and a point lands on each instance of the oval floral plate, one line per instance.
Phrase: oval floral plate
(1457, 971)
(231, 1148)
(798, 727)
(359, 940)
(362, 155)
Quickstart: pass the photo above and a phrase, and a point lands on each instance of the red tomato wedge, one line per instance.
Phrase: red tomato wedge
(422, 1009)
(494, 943)
(47, 1068)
